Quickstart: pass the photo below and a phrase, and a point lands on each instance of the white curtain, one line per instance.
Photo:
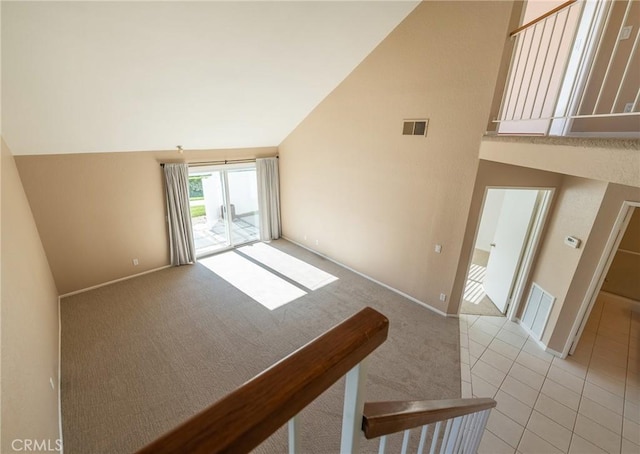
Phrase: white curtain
(181, 244)
(269, 198)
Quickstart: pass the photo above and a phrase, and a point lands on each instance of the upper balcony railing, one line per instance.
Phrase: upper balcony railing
(575, 71)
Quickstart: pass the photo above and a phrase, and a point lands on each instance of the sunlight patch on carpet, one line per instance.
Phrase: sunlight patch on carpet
(301, 272)
(254, 281)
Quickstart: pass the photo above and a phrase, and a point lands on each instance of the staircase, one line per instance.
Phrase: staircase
(249, 415)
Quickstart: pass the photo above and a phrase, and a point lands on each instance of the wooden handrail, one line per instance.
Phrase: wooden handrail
(243, 419)
(384, 418)
(544, 16)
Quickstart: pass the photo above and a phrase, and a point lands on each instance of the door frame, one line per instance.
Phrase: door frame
(533, 240)
(600, 273)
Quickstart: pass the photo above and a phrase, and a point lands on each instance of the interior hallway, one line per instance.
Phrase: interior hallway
(588, 403)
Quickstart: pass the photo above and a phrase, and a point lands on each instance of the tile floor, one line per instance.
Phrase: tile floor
(588, 403)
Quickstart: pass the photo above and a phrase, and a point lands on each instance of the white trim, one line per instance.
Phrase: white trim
(395, 290)
(59, 377)
(93, 287)
(600, 135)
(539, 342)
(533, 240)
(615, 237)
(554, 353)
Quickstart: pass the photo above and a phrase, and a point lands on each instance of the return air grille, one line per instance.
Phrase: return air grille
(415, 127)
(536, 313)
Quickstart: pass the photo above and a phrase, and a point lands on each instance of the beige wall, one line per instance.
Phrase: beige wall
(97, 212)
(622, 278)
(608, 212)
(29, 320)
(612, 160)
(577, 204)
(354, 188)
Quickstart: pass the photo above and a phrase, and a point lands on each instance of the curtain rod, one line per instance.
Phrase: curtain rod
(221, 162)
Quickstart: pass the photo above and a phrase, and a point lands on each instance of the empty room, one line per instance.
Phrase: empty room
(317, 227)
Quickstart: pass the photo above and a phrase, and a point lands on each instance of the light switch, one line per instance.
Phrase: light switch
(438, 248)
(625, 33)
(572, 241)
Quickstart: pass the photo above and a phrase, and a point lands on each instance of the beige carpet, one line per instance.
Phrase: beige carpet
(140, 356)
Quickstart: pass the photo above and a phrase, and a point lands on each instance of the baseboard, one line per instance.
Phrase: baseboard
(382, 284)
(93, 287)
(540, 344)
(59, 377)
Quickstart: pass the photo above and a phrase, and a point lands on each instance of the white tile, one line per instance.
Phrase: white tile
(515, 328)
(486, 327)
(488, 373)
(476, 349)
(555, 410)
(511, 338)
(581, 446)
(560, 394)
(524, 393)
(532, 362)
(465, 372)
(566, 379)
(472, 360)
(603, 397)
(549, 430)
(506, 350)
(497, 321)
(606, 382)
(596, 434)
(601, 415)
(466, 391)
(479, 336)
(533, 349)
(513, 408)
(491, 444)
(481, 388)
(571, 366)
(527, 376)
(632, 411)
(464, 355)
(629, 447)
(502, 363)
(632, 394)
(533, 444)
(505, 428)
(631, 431)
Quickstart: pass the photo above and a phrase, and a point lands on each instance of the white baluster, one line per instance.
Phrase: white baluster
(453, 435)
(434, 440)
(468, 433)
(423, 438)
(294, 435)
(383, 444)
(445, 438)
(405, 441)
(353, 406)
(460, 433)
(477, 436)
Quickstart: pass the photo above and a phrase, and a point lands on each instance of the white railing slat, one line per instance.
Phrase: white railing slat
(445, 437)
(434, 439)
(294, 435)
(405, 441)
(423, 438)
(353, 406)
(383, 444)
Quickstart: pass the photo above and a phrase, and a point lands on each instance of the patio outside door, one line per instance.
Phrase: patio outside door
(224, 207)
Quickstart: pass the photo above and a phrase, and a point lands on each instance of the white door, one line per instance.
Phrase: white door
(508, 244)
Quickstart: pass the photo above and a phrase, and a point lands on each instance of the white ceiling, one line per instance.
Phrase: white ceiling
(82, 77)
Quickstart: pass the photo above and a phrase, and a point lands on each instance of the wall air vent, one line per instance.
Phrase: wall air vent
(417, 127)
(536, 313)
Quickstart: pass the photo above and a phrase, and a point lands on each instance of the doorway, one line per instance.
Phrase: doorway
(616, 273)
(508, 233)
(224, 207)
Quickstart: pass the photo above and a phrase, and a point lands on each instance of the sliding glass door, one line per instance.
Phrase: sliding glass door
(224, 207)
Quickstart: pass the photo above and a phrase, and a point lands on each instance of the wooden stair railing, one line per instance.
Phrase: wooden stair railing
(385, 418)
(249, 415)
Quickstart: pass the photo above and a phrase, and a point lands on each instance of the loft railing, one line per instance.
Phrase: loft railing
(249, 415)
(574, 71)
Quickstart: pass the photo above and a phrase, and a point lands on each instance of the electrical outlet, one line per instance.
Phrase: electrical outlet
(625, 33)
(438, 248)
(53, 386)
(135, 262)
(443, 297)
(628, 107)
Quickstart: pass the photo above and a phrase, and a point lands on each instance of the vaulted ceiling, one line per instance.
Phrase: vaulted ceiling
(81, 77)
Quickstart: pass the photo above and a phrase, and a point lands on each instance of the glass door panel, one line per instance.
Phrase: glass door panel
(244, 217)
(208, 207)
